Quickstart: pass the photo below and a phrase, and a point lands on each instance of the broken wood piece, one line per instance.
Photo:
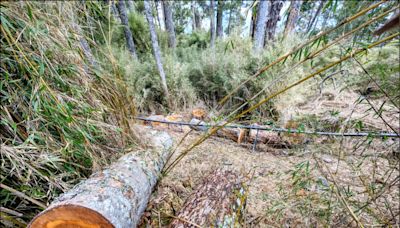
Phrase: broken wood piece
(116, 196)
(218, 202)
(199, 113)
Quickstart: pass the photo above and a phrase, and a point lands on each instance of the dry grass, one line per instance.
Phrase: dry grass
(293, 187)
(61, 119)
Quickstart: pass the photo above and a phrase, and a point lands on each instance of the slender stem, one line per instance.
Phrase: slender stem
(215, 129)
(347, 20)
(313, 55)
(22, 195)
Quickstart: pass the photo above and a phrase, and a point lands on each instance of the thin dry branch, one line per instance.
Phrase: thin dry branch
(215, 129)
(280, 59)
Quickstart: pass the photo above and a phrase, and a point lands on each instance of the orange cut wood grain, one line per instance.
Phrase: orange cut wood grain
(116, 196)
(66, 216)
(199, 113)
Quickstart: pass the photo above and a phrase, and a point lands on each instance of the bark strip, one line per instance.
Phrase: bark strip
(218, 202)
(116, 196)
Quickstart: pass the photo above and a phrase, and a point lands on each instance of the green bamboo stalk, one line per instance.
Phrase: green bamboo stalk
(22, 195)
(215, 129)
(316, 53)
(345, 21)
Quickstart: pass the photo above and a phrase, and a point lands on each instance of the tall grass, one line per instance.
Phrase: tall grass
(61, 118)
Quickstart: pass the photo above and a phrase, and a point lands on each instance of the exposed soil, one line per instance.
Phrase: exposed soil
(315, 184)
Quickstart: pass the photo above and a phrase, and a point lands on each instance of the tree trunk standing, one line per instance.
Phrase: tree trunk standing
(212, 24)
(220, 10)
(156, 49)
(85, 46)
(229, 21)
(293, 16)
(160, 21)
(112, 8)
(310, 24)
(259, 33)
(253, 25)
(273, 18)
(218, 202)
(169, 24)
(128, 34)
(114, 197)
(87, 51)
(130, 5)
(196, 17)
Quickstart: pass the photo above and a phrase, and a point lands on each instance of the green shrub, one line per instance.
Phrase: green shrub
(59, 115)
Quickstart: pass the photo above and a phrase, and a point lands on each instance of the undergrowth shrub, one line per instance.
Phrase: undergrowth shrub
(60, 117)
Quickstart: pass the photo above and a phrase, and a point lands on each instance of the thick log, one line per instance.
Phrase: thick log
(241, 135)
(231, 133)
(218, 202)
(266, 137)
(114, 197)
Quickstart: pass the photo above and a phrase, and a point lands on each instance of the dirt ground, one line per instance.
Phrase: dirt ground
(336, 182)
(274, 199)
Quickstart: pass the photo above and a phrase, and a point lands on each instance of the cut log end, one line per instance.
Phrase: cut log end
(114, 197)
(70, 216)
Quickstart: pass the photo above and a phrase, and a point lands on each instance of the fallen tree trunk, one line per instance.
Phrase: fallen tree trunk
(114, 197)
(241, 135)
(266, 137)
(218, 202)
(231, 133)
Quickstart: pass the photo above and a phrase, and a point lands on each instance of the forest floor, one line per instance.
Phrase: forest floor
(307, 185)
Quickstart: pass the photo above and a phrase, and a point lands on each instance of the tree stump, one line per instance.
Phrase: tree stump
(114, 197)
(218, 202)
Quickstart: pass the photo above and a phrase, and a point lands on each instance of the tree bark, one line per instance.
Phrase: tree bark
(253, 25)
(196, 17)
(310, 24)
(212, 24)
(113, 9)
(130, 5)
(218, 202)
(128, 34)
(85, 46)
(236, 134)
(293, 17)
(241, 135)
(229, 21)
(156, 48)
(393, 22)
(169, 24)
(273, 18)
(114, 197)
(266, 137)
(162, 16)
(259, 33)
(220, 10)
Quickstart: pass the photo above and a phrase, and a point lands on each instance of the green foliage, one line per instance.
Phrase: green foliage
(182, 15)
(141, 34)
(197, 39)
(59, 118)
